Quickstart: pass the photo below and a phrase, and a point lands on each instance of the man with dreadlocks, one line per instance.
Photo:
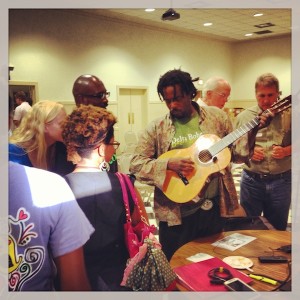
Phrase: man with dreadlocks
(185, 122)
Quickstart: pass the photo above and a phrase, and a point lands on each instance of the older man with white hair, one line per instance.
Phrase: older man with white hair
(216, 92)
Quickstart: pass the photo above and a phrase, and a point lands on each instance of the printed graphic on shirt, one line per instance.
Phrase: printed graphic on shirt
(24, 262)
(186, 133)
(184, 141)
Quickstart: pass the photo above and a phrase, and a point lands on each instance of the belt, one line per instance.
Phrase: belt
(286, 174)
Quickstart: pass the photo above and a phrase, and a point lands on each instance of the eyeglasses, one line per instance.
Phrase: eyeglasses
(115, 144)
(100, 95)
(223, 95)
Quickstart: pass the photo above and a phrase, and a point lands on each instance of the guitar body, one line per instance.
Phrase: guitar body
(205, 165)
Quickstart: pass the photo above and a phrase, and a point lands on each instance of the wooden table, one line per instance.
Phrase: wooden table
(261, 246)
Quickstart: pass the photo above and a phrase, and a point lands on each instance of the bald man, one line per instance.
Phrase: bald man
(89, 89)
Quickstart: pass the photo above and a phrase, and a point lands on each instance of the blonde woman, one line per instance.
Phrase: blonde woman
(34, 142)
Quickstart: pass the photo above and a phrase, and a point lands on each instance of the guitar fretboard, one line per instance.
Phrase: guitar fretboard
(277, 107)
(233, 136)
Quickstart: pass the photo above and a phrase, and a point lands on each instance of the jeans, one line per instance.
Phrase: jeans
(272, 198)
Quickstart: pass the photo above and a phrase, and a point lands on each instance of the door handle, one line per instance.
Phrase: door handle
(130, 118)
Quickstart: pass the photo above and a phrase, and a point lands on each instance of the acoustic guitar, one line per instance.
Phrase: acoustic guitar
(210, 155)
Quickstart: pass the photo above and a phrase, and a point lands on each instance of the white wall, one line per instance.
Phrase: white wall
(54, 47)
(254, 58)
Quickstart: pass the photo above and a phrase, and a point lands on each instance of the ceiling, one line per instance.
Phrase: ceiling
(229, 25)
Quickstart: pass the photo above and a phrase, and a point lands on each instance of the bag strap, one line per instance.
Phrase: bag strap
(125, 181)
(131, 189)
(125, 196)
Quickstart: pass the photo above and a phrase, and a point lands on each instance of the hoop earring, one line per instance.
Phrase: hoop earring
(104, 166)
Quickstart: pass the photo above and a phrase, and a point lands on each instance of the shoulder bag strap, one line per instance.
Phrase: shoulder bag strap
(134, 197)
(125, 181)
(131, 189)
(125, 196)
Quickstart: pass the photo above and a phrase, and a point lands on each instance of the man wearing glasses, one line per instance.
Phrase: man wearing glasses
(216, 92)
(89, 89)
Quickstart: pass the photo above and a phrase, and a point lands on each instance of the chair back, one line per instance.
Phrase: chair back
(131, 140)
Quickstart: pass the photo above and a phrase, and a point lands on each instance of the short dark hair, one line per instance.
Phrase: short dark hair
(21, 95)
(173, 77)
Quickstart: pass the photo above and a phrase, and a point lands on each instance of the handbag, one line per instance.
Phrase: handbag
(147, 268)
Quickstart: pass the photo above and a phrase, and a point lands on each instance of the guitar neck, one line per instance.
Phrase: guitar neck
(276, 107)
(233, 136)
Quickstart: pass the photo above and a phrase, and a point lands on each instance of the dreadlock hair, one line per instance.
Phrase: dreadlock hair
(173, 77)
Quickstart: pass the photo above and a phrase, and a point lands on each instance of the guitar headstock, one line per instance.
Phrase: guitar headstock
(281, 105)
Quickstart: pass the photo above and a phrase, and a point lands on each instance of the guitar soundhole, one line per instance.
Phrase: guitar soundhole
(204, 156)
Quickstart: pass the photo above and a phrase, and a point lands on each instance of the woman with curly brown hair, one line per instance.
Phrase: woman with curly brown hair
(88, 129)
(89, 136)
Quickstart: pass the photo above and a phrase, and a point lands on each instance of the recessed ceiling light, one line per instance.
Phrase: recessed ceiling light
(248, 34)
(207, 24)
(258, 15)
(149, 9)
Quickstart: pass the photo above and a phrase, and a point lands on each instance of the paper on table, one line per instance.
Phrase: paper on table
(199, 257)
(234, 241)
